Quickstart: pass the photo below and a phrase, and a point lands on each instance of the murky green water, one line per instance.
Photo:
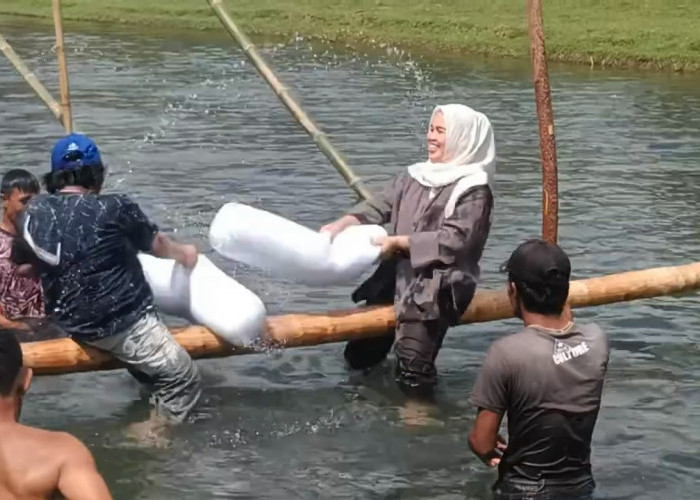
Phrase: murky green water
(186, 124)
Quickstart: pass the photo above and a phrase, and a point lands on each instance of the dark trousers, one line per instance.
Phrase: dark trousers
(416, 346)
(517, 488)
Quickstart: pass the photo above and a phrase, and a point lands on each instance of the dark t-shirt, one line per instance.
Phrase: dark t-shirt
(87, 248)
(549, 383)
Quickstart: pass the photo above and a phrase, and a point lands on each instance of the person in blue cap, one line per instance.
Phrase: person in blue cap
(84, 246)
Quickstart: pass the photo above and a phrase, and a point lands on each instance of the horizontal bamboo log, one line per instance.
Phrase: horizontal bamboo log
(52, 357)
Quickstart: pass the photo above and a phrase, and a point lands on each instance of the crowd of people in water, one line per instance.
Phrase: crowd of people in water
(69, 267)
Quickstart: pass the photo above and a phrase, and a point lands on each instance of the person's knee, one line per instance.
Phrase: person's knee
(164, 358)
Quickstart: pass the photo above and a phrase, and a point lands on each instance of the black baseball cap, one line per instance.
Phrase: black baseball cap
(537, 264)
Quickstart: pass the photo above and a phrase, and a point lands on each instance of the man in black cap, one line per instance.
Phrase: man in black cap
(548, 380)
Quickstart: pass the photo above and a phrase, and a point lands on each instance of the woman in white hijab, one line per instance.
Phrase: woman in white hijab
(439, 212)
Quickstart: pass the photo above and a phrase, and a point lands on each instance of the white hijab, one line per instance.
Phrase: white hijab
(471, 153)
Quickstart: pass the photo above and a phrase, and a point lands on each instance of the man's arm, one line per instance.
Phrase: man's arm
(484, 439)
(166, 248)
(144, 235)
(78, 477)
(490, 395)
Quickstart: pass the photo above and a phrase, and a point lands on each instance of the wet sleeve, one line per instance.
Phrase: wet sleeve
(135, 225)
(21, 252)
(378, 209)
(491, 388)
(463, 233)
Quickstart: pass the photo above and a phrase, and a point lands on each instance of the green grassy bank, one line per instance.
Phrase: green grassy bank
(657, 34)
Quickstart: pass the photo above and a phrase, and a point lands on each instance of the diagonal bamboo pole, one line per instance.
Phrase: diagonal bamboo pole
(545, 117)
(30, 78)
(282, 93)
(66, 113)
(51, 357)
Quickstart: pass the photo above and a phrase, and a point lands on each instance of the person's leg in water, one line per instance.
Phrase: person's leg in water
(417, 347)
(363, 354)
(158, 361)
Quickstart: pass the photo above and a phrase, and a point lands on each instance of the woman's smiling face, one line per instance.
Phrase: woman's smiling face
(437, 133)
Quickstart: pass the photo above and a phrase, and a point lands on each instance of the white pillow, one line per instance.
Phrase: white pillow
(207, 296)
(289, 250)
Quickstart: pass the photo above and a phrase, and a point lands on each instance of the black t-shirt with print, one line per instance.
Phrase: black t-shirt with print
(550, 385)
(87, 249)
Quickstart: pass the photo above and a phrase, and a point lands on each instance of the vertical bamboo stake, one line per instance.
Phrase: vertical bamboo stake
(543, 99)
(280, 90)
(62, 69)
(30, 78)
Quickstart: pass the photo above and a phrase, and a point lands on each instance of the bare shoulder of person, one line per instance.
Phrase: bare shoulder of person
(78, 477)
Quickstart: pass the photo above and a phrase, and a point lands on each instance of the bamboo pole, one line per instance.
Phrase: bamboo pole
(296, 330)
(66, 112)
(282, 93)
(545, 117)
(30, 78)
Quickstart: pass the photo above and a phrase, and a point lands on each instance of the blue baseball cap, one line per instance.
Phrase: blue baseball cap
(73, 151)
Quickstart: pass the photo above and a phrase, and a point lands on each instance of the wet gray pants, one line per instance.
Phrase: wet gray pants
(155, 359)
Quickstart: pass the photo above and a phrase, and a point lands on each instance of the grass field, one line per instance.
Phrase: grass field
(656, 34)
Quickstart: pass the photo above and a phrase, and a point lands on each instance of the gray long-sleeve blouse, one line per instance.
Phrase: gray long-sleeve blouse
(438, 278)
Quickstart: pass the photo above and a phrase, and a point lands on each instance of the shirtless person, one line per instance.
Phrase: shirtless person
(35, 463)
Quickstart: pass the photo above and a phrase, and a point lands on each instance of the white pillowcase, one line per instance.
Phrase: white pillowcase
(289, 250)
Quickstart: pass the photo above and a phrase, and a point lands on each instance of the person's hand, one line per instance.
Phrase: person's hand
(333, 228)
(187, 256)
(387, 244)
(500, 448)
(390, 245)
